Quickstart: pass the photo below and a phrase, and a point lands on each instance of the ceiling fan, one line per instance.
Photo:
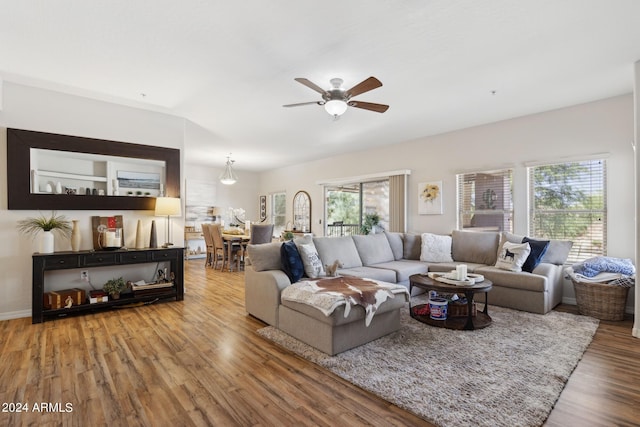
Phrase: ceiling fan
(337, 99)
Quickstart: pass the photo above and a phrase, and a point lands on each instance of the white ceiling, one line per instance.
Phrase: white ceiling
(228, 66)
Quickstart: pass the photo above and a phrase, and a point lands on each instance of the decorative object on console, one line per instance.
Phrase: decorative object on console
(168, 206)
(139, 236)
(48, 225)
(430, 198)
(114, 287)
(104, 224)
(76, 237)
(228, 177)
(153, 239)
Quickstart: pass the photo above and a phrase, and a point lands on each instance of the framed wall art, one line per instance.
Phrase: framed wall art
(430, 198)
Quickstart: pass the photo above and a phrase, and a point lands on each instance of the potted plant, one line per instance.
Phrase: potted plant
(287, 235)
(48, 225)
(371, 220)
(114, 286)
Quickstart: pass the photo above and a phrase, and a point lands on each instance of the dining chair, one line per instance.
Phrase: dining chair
(261, 233)
(212, 256)
(220, 246)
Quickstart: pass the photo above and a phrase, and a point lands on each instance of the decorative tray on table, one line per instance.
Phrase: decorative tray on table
(450, 279)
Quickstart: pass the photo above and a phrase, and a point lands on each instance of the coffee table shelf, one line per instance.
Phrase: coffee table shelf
(469, 322)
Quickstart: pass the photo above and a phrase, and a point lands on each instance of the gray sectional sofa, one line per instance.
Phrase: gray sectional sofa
(394, 257)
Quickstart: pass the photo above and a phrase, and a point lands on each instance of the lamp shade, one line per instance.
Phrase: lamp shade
(335, 107)
(167, 206)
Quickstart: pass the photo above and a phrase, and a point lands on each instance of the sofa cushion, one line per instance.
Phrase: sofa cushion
(396, 241)
(478, 247)
(342, 249)
(412, 246)
(557, 252)
(538, 249)
(516, 280)
(435, 248)
(403, 268)
(505, 236)
(265, 256)
(370, 273)
(291, 261)
(312, 264)
(513, 256)
(373, 248)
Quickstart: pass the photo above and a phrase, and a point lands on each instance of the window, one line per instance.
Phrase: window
(485, 200)
(278, 212)
(347, 205)
(569, 202)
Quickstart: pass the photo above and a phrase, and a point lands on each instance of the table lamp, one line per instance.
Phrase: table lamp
(168, 206)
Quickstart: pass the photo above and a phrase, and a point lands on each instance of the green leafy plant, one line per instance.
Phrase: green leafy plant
(287, 235)
(33, 226)
(370, 221)
(115, 286)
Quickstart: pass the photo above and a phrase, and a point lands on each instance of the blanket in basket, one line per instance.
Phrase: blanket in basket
(328, 294)
(603, 264)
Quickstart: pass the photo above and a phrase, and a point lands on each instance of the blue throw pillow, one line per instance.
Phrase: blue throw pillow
(538, 249)
(291, 261)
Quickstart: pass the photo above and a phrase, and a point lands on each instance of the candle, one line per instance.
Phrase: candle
(461, 272)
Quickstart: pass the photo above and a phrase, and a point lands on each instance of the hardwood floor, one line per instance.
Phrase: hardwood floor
(200, 362)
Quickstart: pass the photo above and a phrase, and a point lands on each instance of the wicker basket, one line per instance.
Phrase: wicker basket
(601, 300)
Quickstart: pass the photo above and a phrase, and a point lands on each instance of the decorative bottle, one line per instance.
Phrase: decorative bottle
(75, 236)
(153, 242)
(139, 236)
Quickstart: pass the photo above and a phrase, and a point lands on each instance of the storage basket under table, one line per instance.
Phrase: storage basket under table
(601, 300)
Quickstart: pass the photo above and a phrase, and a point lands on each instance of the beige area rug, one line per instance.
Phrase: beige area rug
(508, 374)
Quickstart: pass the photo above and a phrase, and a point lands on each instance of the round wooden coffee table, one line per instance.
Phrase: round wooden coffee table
(470, 322)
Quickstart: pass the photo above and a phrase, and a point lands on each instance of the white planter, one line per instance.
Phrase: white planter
(47, 242)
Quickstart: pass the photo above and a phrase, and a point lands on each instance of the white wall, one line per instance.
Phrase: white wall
(604, 126)
(29, 108)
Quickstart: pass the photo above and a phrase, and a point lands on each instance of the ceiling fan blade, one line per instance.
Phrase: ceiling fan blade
(304, 103)
(310, 85)
(378, 108)
(364, 86)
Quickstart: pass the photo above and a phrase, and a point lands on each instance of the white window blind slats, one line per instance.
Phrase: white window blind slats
(569, 202)
(485, 200)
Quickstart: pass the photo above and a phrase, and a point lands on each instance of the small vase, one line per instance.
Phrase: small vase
(139, 236)
(75, 236)
(47, 242)
(153, 241)
(115, 295)
(58, 188)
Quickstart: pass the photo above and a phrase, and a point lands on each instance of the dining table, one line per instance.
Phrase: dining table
(230, 238)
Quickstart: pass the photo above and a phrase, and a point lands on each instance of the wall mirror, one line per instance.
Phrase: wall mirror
(50, 171)
(302, 211)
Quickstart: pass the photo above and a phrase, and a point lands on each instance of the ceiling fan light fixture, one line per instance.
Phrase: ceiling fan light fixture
(228, 177)
(335, 107)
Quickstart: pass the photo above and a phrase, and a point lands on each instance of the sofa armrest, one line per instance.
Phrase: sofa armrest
(262, 293)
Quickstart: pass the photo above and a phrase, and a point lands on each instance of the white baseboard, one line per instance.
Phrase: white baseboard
(15, 314)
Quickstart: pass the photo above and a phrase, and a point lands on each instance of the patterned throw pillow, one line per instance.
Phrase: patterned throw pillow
(312, 264)
(512, 256)
(436, 248)
(291, 261)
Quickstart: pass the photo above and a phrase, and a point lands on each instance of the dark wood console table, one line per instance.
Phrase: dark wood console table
(87, 259)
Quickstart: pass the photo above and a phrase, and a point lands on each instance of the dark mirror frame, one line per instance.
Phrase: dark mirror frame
(20, 142)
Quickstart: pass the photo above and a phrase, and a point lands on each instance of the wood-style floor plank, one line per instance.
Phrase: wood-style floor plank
(199, 362)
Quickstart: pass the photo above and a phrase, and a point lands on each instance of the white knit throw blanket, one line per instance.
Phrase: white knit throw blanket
(328, 294)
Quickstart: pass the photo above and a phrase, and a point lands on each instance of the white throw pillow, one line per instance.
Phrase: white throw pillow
(513, 255)
(435, 248)
(312, 264)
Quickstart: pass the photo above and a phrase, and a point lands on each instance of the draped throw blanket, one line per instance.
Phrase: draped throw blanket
(602, 264)
(328, 294)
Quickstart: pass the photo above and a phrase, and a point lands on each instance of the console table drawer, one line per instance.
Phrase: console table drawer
(99, 259)
(133, 257)
(164, 255)
(61, 261)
